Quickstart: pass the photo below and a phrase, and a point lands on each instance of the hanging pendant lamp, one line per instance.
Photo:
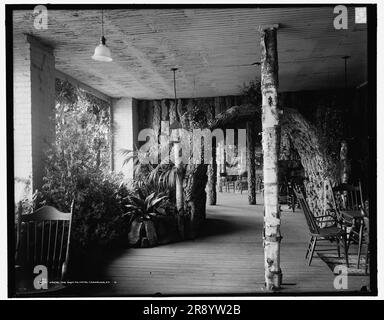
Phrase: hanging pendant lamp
(102, 52)
(175, 124)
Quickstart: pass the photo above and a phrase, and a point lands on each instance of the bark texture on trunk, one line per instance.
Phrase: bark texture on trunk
(219, 161)
(156, 120)
(320, 169)
(172, 112)
(212, 178)
(195, 197)
(271, 144)
(344, 163)
(179, 179)
(223, 165)
(180, 202)
(195, 175)
(164, 111)
(251, 162)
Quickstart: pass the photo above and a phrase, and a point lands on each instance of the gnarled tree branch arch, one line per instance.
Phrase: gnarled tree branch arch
(319, 167)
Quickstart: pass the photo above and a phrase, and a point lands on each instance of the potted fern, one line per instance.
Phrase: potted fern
(145, 209)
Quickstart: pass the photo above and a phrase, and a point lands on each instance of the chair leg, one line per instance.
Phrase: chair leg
(367, 259)
(346, 250)
(360, 244)
(349, 235)
(309, 247)
(338, 247)
(312, 251)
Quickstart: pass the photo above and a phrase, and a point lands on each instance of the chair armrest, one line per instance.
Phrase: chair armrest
(328, 220)
(330, 217)
(326, 215)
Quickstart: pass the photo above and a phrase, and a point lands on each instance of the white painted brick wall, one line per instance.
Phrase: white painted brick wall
(34, 97)
(43, 102)
(22, 114)
(124, 132)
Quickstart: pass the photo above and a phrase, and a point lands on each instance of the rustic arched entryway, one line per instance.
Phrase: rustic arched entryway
(320, 169)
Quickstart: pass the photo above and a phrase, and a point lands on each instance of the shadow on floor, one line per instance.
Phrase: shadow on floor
(216, 227)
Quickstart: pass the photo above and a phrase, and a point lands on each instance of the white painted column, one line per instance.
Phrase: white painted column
(34, 101)
(124, 133)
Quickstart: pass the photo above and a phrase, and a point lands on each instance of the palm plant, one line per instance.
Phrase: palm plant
(165, 174)
(140, 170)
(153, 182)
(145, 206)
(162, 177)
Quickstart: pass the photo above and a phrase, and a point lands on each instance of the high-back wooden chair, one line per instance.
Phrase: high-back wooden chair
(365, 241)
(348, 197)
(242, 182)
(222, 183)
(231, 183)
(309, 217)
(44, 239)
(332, 231)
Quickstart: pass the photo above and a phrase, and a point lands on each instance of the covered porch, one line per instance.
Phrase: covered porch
(226, 259)
(285, 79)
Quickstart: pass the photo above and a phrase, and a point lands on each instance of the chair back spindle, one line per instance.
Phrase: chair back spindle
(348, 197)
(46, 234)
(311, 222)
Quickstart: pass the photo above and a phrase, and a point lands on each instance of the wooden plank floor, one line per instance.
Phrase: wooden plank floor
(226, 259)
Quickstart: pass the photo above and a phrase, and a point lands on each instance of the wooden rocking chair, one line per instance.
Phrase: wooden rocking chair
(43, 239)
(332, 232)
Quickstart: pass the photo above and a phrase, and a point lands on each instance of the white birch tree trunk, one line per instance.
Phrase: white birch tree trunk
(271, 144)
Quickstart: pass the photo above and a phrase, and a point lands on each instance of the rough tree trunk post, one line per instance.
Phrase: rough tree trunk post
(222, 168)
(251, 163)
(344, 165)
(223, 165)
(179, 189)
(212, 177)
(320, 167)
(271, 143)
(218, 167)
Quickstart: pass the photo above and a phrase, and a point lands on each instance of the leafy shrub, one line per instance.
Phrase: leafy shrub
(98, 211)
(77, 167)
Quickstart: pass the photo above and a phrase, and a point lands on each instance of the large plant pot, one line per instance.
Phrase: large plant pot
(142, 233)
(134, 234)
(148, 233)
(151, 233)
